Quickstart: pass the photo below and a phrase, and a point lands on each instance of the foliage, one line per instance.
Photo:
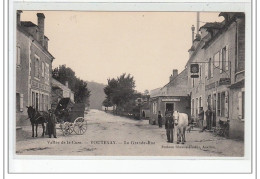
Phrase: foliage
(78, 86)
(120, 91)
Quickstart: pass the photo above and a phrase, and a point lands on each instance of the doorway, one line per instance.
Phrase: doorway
(169, 107)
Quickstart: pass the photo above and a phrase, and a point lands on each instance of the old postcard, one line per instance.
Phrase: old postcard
(132, 83)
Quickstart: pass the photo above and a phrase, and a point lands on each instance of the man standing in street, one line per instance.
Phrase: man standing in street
(208, 118)
(51, 125)
(201, 118)
(159, 119)
(169, 125)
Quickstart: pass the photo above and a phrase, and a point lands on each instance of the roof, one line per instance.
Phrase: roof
(212, 25)
(28, 24)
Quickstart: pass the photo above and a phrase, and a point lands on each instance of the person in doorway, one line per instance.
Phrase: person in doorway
(169, 125)
(160, 119)
(208, 118)
(51, 125)
(201, 118)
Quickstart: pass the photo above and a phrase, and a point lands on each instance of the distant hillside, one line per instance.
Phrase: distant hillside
(97, 94)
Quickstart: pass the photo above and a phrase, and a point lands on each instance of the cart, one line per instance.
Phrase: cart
(70, 117)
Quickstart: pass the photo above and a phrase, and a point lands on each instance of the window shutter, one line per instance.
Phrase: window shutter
(21, 102)
(206, 70)
(220, 61)
(240, 105)
(226, 104)
(227, 60)
(212, 69)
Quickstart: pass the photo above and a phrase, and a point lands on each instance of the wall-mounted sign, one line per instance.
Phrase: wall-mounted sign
(194, 68)
(170, 100)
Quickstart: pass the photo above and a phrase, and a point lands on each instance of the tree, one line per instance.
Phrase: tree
(120, 91)
(81, 91)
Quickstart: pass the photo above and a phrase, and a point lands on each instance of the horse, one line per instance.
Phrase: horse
(36, 118)
(181, 122)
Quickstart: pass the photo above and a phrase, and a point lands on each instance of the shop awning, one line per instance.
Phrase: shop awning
(239, 84)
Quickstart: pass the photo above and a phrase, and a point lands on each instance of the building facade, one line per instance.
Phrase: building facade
(60, 91)
(33, 68)
(220, 54)
(173, 96)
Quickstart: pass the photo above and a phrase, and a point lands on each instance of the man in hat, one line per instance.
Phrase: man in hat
(169, 125)
(51, 125)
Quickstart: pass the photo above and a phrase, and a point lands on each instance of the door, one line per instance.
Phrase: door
(169, 106)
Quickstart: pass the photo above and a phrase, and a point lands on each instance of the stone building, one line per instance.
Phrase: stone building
(33, 68)
(173, 96)
(220, 54)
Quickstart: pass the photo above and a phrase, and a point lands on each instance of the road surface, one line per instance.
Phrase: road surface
(111, 135)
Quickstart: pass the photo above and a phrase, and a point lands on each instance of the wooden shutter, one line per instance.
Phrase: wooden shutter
(21, 102)
(206, 70)
(227, 60)
(212, 68)
(240, 105)
(226, 104)
(220, 61)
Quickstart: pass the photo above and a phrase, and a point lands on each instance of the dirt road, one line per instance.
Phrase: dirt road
(119, 136)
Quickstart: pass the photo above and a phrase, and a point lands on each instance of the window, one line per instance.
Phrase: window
(47, 73)
(209, 101)
(36, 70)
(18, 55)
(200, 102)
(222, 104)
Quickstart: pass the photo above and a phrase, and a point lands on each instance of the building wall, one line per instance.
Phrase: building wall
(232, 41)
(181, 104)
(196, 86)
(22, 77)
(28, 84)
(225, 40)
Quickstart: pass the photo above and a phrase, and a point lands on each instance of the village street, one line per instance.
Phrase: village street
(119, 136)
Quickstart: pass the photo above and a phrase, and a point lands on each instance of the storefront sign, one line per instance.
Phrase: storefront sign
(210, 86)
(224, 81)
(170, 100)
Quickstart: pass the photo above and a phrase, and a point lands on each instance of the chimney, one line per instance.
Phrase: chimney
(174, 73)
(67, 83)
(41, 18)
(192, 29)
(198, 22)
(18, 17)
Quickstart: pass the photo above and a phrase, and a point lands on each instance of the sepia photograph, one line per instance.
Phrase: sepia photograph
(95, 83)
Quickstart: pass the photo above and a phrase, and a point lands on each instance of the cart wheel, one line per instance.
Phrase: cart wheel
(80, 126)
(66, 128)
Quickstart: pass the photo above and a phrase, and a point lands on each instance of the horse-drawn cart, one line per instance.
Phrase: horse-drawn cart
(71, 117)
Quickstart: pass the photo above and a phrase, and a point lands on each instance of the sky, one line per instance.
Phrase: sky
(103, 45)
